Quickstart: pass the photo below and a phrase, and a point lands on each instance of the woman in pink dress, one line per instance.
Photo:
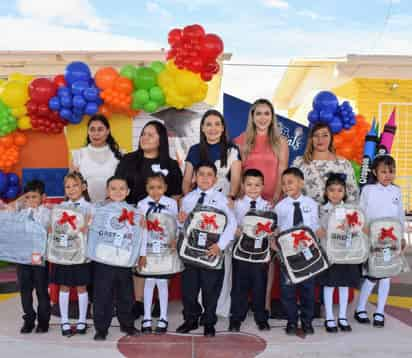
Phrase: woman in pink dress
(263, 147)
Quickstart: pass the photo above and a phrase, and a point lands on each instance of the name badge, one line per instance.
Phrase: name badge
(340, 213)
(258, 243)
(307, 254)
(118, 240)
(156, 246)
(201, 239)
(63, 240)
(387, 254)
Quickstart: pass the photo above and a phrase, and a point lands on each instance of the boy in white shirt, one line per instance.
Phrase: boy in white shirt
(195, 278)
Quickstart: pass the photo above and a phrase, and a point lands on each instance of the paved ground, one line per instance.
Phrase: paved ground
(395, 340)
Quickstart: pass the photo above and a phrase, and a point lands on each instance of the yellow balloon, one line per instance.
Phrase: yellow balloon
(15, 94)
(24, 123)
(20, 77)
(19, 111)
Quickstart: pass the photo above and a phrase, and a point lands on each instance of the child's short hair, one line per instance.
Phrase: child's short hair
(116, 177)
(384, 159)
(253, 173)
(156, 176)
(78, 176)
(335, 179)
(34, 185)
(296, 172)
(206, 164)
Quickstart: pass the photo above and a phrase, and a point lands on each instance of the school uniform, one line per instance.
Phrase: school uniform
(246, 275)
(293, 213)
(113, 285)
(195, 278)
(31, 277)
(79, 274)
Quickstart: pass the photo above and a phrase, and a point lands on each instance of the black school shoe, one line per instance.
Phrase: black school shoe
(146, 329)
(344, 327)
(360, 319)
(42, 328)
(209, 331)
(234, 326)
(187, 326)
(378, 323)
(263, 326)
(27, 327)
(100, 336)
(130, 331)
(66, 329)
(162, 327)
(291, 328)
(307, 328)
(81, 328)
(331, 329)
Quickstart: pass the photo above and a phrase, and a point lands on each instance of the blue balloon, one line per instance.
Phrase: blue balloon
(12, 192)
(91, 94)
(335, 125)
(99, 101)
(346, 126)
(76, 118)
(78, 110)
(77, 71)
(325, 116)
(325, 100)
(79, 87)
(54, 103)
(313, 116)
(79, 102)
(346, 119)
(66, 114)
(64, 91)
(91, 108)
(66, 101)
(352, 122)
(12, 179)
(3, 182)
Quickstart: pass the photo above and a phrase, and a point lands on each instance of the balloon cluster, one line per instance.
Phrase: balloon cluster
(326, 109)
(10, 149)
(9, 185)
(194, 50)
(79, 97)
(345, 144)
(41, 90)
(116, 91)
(181, 87)
(8, 123)
(148, 95)
(14, 93)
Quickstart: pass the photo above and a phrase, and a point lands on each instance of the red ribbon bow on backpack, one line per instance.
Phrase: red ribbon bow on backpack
(127, 216)
(263, 228)
(300, 236)
(387, 233)
(208, 220)
(154, 225)
(66, 218)
(353, 219)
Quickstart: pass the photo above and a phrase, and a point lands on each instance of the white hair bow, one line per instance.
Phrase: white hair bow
(156, 169)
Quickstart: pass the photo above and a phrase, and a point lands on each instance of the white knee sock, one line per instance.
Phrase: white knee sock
(383, 293)
(364, 294)
(83, 303)
(149, 284)
(163, 289)
(328, 298)
(64, 306)
(343, 301)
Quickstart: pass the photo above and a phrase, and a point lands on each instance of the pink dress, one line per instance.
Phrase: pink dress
(262, 158)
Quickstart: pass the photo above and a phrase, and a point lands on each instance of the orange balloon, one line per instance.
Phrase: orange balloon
(20, 139)
(105, 110)
(105, 77)
(7, 140)
(123, 85)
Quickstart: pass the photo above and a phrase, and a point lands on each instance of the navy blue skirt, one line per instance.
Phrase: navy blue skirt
(71, 275)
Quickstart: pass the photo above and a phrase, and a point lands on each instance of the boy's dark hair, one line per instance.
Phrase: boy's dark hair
(34, 185)
(115, 177)
(206, 164)
(383, 159)
(253, 173)
(335, 179)
(156, 176)
(294, 171)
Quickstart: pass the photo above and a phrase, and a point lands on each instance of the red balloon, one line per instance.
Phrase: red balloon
(212, 47)
(174, 36)
(196, 65)
(31, 107)
(212, 67)
(41, 90)
(59, 81)
(171, 54)
(193, 31)
(43, 110)
(206, 76)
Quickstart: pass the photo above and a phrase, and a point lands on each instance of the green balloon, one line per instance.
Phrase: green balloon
(145, 78)
(157, 95)
(157, 66)
(150, 106)
(128, 71)
(139, 98)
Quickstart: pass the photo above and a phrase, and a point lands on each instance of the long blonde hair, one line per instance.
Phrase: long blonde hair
(273, 130)
(308, 155)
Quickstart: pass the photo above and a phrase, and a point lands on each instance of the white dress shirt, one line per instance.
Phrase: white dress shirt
(41, 214)
(378, 201)
(310, 212)
(242, 206)
(215, 199)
